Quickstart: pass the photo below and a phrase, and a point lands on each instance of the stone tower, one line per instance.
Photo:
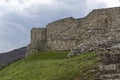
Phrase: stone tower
(38, 40)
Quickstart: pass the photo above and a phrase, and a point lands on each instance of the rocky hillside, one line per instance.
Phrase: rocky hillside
(12, 56)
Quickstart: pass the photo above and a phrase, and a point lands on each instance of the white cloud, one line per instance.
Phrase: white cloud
(24, 3)
(17, 17)
(110, 3)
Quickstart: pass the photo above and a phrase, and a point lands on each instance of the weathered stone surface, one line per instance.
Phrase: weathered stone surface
(109, 69)
(111, 76)
(82, 48)
(101, 47)
(38, 41)
(99, 26)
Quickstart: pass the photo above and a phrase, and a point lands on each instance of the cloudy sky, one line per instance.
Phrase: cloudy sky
(17, 17)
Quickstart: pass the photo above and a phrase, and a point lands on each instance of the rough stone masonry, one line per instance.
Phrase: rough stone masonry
(65, 34)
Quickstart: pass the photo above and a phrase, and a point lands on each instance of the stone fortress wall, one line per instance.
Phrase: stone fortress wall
(65, 34)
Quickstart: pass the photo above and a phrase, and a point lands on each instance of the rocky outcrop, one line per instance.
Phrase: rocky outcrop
(11, 56)
(99, 26)
(82, 48)
(100, 47)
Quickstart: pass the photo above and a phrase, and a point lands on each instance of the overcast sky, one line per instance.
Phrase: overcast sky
(18, 17)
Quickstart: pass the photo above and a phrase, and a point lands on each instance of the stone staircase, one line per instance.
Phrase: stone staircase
(109, 69)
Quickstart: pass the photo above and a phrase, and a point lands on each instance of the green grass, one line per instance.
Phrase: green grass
(52, 66)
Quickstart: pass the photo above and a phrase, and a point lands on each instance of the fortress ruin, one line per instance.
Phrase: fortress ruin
(65, 34)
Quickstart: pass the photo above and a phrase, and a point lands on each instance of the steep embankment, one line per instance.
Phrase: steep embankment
(52, 66)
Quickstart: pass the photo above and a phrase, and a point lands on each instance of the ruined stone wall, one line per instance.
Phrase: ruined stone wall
(38, 41)
(104, 24)
(61, 35)
(99, 25)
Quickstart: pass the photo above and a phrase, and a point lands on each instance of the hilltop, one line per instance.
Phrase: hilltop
(46, 56)
(52, 66)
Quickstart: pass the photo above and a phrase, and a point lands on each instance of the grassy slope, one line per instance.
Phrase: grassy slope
(51, 66)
